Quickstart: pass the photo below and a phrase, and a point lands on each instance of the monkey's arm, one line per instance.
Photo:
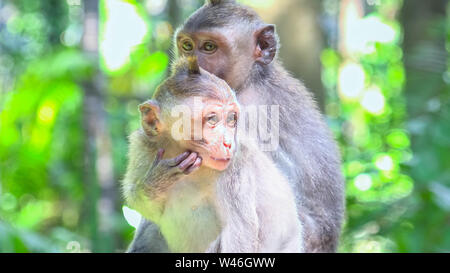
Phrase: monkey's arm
(236, 238)
(280, 229)
(149, 177)
(148, 239)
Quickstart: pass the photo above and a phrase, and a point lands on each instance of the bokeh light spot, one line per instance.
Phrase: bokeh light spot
(351, 80)
(46, 113)
(124, 29)
(384, 163)
(398, 139)
(373, 101)
(155, 7)
(363, 182)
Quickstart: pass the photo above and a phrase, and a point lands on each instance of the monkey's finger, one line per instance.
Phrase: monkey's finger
(160, 154)
(158, 158)
(194, 166)
(175, 161)
(187, 162)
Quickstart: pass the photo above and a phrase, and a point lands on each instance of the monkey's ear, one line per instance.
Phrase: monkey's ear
(193, 66)
(266, 44)
(150, 114)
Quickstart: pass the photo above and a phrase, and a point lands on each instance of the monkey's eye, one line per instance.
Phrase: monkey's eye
(187, 46)
(209, 47)
(232, 119)
(212, 119)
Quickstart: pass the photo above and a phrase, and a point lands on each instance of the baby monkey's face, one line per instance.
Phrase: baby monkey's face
(218, 120)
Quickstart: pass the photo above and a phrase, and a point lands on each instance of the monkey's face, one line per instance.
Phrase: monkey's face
(219, 52)
(218, 140)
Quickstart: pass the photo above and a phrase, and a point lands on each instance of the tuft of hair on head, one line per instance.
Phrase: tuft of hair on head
(193, 67)
(218, 2)
(187, 66)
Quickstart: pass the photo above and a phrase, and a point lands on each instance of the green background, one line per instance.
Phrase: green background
(69, 94)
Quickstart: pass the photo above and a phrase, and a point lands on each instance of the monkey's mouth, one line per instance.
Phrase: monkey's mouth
(225, 160)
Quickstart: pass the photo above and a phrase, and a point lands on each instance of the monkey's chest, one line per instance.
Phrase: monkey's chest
(190, 222)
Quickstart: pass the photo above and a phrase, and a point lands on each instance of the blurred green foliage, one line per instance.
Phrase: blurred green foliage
(392, 122)
(368, 116)
(47, 197)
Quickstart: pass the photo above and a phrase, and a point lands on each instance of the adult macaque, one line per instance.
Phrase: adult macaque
(204, 189)
(232, 42)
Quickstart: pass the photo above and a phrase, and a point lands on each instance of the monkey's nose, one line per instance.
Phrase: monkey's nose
(227, 145)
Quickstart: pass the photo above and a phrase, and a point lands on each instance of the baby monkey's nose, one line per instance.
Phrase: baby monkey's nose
(227, 145)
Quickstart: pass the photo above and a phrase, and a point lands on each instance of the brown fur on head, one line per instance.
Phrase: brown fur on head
(218, 2)
(209, 112)
(219, 13)
(188, 79)
(229, 39)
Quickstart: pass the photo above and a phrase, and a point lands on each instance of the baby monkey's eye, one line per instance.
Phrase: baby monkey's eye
(209, 47)
(187, 45)
(212, 119)
(232, 119)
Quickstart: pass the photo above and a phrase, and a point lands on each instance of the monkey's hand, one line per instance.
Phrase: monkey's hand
(164, 172)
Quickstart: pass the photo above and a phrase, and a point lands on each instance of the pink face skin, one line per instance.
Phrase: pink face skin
(219, 121)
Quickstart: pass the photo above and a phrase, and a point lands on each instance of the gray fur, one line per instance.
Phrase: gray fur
(256, 200)
(307, 155)
(305, 140)
(148, 239)
(249, 207)
(255, 210)
(218, 2)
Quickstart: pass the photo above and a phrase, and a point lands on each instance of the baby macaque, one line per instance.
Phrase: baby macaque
(206, 189)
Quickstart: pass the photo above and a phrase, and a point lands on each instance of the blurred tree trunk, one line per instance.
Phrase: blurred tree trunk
(174, 13)
(100, 183)
(425, 58)
(301, 38)
(424, 47)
